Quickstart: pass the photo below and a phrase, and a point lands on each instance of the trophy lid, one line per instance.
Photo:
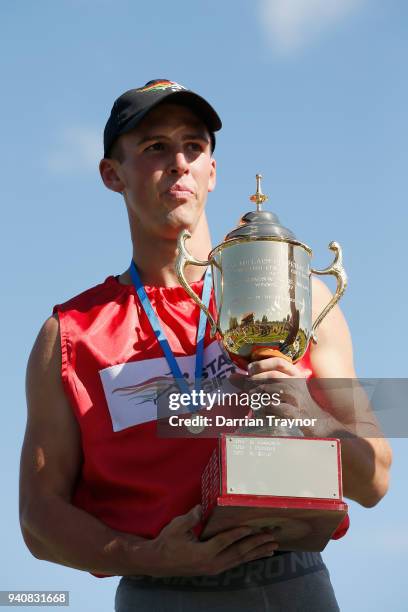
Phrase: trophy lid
(260, 223)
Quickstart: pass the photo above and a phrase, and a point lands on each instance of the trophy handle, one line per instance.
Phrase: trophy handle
(183, 259)
(337, 270)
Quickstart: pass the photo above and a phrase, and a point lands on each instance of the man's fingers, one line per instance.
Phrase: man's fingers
(273, 364)
(225, 539)
(289, 390)
(270, 375)
(252, 547)
(252, 543)
(237, 542)
(265, 550)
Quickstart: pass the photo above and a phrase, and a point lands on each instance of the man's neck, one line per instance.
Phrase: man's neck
(155, 258)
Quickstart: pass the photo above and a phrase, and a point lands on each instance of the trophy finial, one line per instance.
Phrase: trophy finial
(258, 197)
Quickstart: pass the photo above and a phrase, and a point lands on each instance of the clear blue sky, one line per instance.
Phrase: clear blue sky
(312, 93)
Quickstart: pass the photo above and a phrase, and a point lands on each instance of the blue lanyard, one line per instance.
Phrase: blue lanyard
(161, 337)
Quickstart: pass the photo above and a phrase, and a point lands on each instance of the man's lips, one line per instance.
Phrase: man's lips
(179, 191)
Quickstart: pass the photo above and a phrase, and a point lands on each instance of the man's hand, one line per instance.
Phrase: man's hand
(276, 375)
(178, 552)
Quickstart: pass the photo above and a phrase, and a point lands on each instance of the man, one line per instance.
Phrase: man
(99, 490)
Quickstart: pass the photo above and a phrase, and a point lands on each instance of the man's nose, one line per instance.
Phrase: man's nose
(178, 163)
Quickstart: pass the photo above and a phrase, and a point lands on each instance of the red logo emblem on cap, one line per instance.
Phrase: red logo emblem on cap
(161, 86)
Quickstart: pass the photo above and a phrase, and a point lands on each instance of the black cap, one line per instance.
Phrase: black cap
(130, 108)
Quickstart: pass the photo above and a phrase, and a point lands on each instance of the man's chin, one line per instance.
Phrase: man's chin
(177, 224)
(172, 231)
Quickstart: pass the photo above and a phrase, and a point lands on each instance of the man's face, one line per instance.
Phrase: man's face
(167, 171)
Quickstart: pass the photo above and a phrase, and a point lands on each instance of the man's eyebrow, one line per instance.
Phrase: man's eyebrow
(151, 137)
(199, 135)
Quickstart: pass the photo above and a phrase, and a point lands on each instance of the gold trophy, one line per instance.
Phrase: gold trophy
(262, 285)
(262, 288)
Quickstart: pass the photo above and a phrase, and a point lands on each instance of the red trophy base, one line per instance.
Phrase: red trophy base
(291, 484)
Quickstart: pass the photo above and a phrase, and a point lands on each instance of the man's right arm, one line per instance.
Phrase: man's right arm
(55, 530)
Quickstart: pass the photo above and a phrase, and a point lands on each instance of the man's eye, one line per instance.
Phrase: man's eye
(195, 146)
(157, 146)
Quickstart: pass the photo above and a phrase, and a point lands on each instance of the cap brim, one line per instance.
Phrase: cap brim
(188, 98)
(201, 106)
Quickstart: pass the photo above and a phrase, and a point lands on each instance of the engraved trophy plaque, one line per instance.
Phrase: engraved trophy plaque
(263, 296)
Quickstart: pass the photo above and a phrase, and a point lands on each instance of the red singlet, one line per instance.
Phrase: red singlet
(131, 479)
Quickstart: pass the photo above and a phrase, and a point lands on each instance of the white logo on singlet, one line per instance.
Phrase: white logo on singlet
(132, 390)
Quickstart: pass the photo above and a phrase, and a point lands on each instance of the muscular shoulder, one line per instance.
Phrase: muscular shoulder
(46, 351)
(332, 356)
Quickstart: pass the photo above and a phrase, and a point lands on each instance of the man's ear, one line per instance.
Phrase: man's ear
(213, 175)
(108, 169)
